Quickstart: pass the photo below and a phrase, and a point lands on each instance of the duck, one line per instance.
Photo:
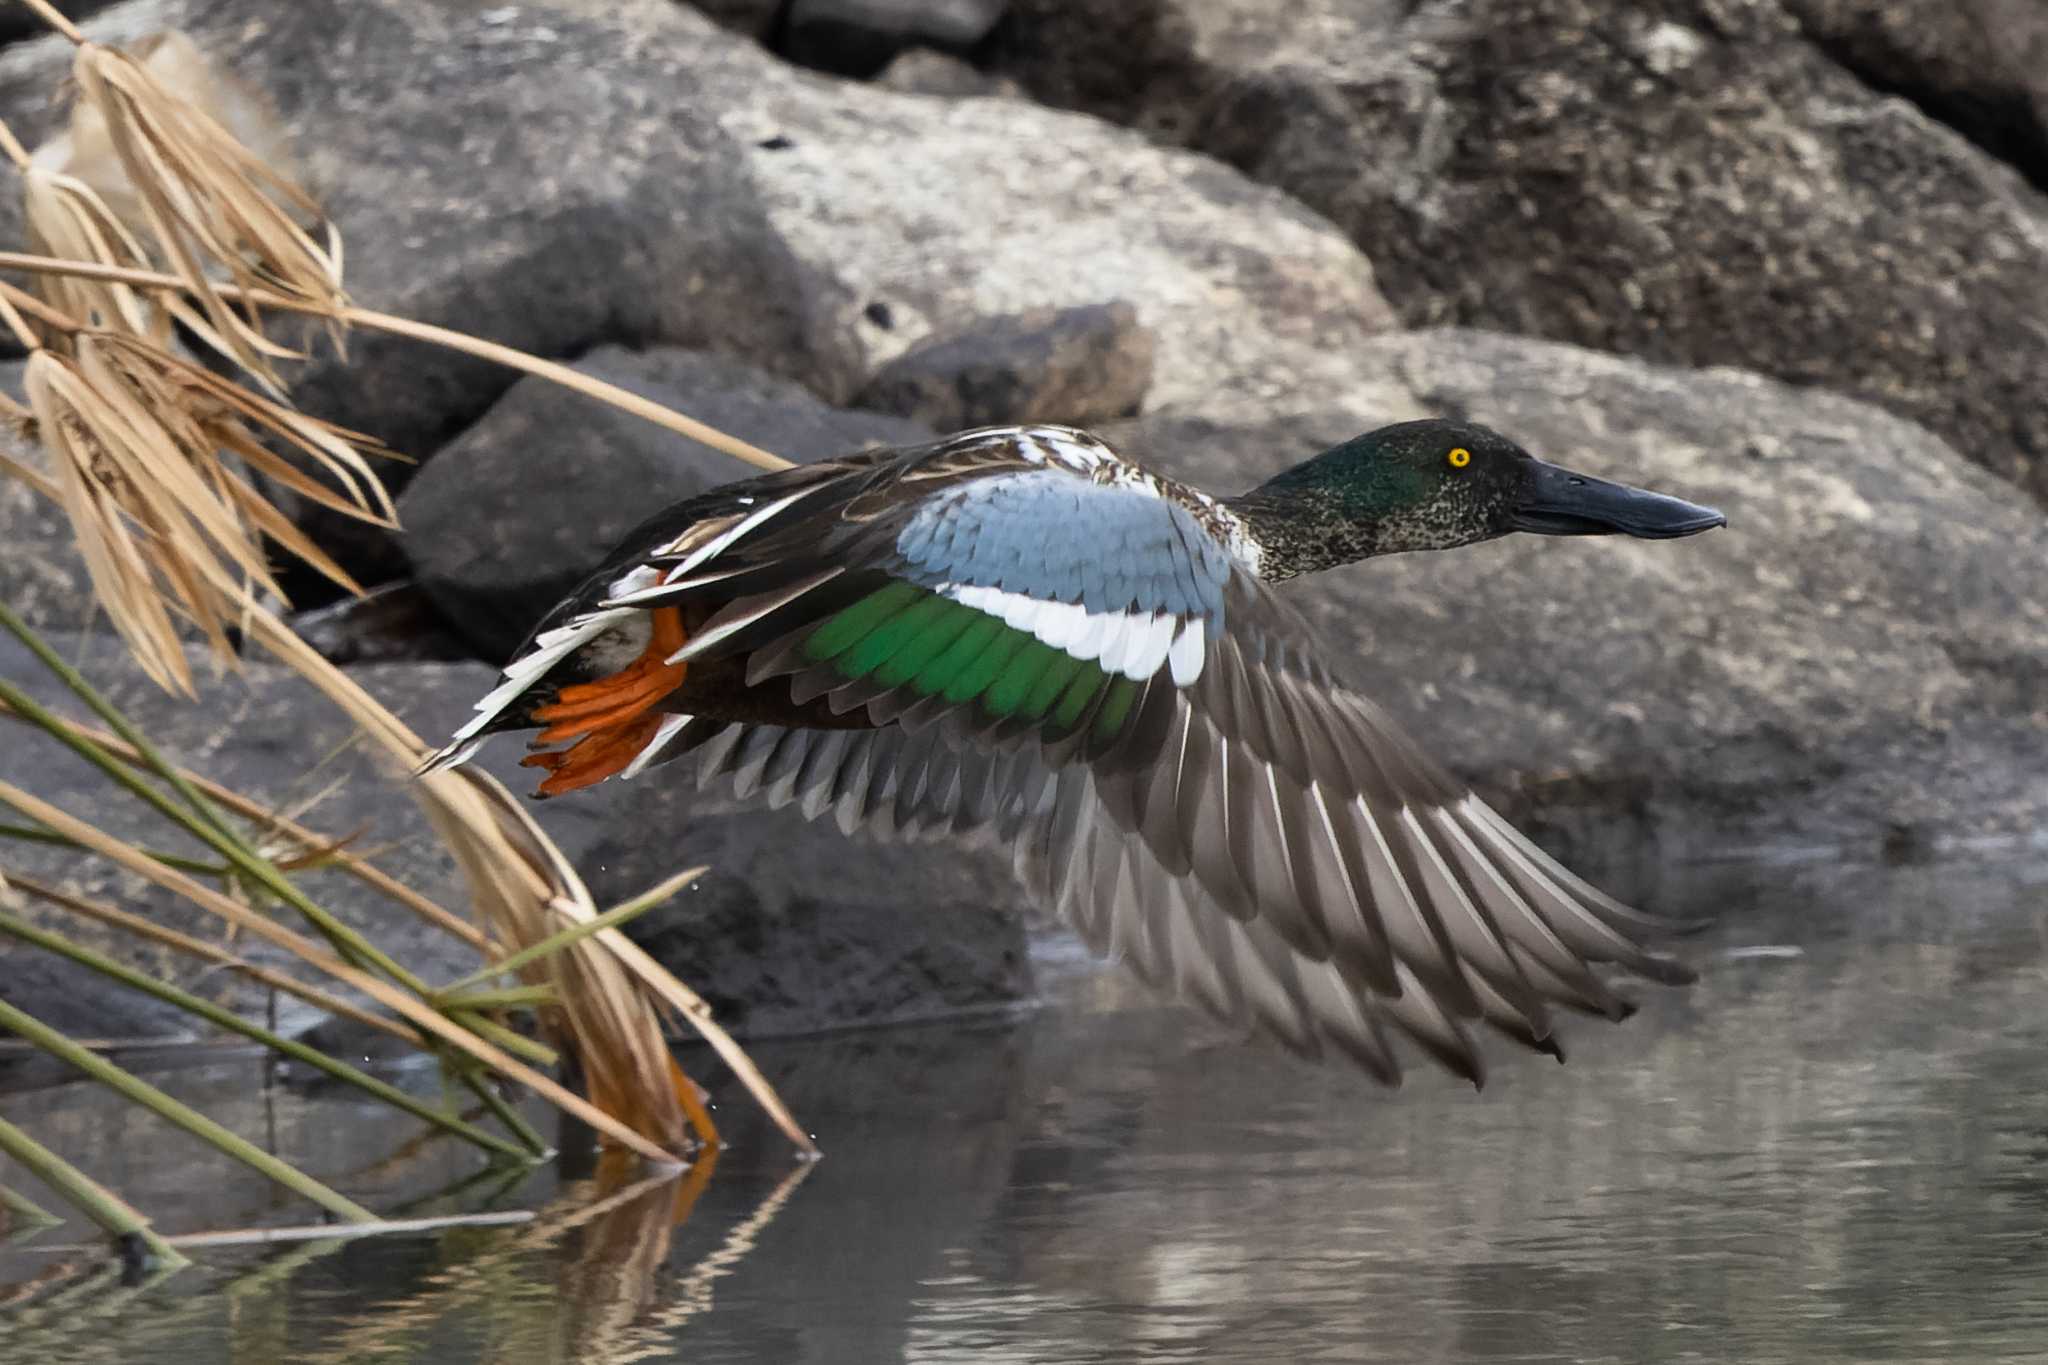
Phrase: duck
(1019, 635)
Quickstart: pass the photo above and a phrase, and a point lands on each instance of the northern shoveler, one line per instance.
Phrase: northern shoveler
(1019, 632)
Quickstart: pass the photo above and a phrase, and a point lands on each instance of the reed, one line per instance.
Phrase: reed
(168, 209)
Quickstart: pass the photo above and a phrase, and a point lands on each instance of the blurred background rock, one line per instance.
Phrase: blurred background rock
(1785, 256)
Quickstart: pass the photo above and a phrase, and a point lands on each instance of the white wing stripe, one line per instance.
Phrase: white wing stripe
(1135, 644)
(1186, 652)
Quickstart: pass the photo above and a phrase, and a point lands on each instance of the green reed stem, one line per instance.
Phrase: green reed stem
(554, 943)
(234, 1023)
(505, 998)
(117, 722)
(139, 1091)
(503, 1112)
(24, 1210)
(85, 1194)
(346, 941)
(28, 834)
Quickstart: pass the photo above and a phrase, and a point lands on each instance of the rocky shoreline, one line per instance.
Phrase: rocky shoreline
(1778, 256)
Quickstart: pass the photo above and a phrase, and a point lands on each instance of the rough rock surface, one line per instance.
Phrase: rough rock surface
(755, 18)
(392, 623)
(1693, 183)
(1853, 657)
(519, 510)
(1071, 365)
(796, 927)
(595, 204)
(921, 71)
(931, 215)
(1979, 66)
(859, 37)
(41, 575)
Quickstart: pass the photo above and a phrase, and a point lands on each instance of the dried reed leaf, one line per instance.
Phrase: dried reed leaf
(67, 218)
(18, 426)
(167, 527)
(316, 957)
(121, 570)
(525, 890)
(179, 134)
(624, 400)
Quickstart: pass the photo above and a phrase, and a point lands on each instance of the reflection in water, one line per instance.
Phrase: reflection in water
(1836, 1150)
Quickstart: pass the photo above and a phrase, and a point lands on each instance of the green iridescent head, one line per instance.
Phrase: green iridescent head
(1436, 485)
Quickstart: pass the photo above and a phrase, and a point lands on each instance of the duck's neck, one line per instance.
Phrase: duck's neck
(1303, 527)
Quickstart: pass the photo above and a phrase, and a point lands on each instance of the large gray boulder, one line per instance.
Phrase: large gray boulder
(1979, 66)
(525, 504)
(1693, 184)
(1857, 657)
(948, 212)
(539, 175)
(1070, 365)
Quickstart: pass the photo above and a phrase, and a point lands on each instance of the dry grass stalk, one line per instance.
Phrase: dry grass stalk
(146, 929)
(167, 526)
(511, 357)
(260, 926)
(525, 890)
(277, 826)
(209, 202)
(67, 217)
(154, 136)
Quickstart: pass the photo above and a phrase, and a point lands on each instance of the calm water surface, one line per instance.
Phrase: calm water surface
(1832, 1150)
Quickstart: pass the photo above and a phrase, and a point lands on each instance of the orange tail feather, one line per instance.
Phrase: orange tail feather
(611, 719)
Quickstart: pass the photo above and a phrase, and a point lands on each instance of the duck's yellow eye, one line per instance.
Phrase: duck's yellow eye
(1460, 457)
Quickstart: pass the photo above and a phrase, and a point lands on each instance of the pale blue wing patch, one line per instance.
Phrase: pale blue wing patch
(1111, 574)
(1050, 535)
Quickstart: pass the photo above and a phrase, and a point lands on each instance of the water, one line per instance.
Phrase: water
(1835, 1149)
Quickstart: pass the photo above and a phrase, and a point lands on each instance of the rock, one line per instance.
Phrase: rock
(19, 21)
(929, 216)
(1979, 66)
(1853, 654)
(1070, 365)
(42, 576)
(1695, 184)
(859, 37)
(517, 511)
(268, 735)
(796, 927)
(394, 623)
(537, 174)
(921, 71)
(754, 18)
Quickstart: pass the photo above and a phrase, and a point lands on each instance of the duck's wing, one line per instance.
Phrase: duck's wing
(1293, 860)
(1082, 667)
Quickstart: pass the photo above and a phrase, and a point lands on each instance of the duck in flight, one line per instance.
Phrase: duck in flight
(1017, 632)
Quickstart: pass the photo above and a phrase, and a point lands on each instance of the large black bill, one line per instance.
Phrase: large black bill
(1557, 502)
